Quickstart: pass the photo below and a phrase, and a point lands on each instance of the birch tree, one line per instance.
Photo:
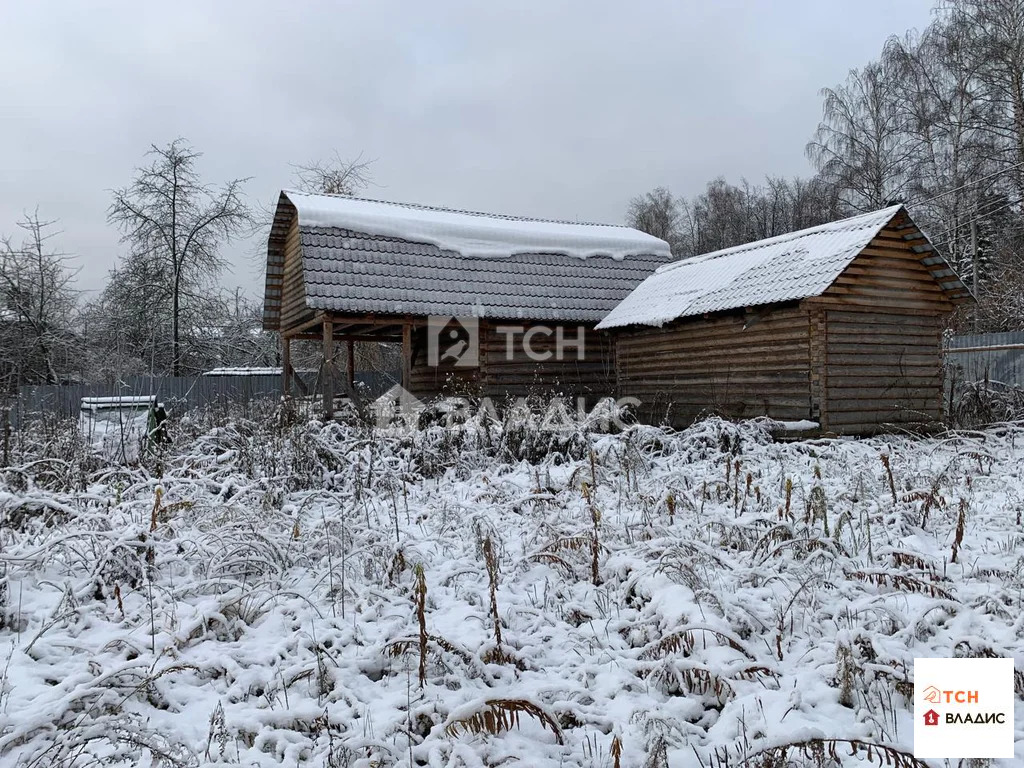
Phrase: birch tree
(861, 145)
(656, 213)
(995, 41)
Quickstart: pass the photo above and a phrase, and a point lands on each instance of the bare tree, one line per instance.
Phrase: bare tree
(238, 339)
(37, 305)
(656, 213)
(995, 41)
(725, 215)
(336, 176)
(175, 225)
(951, 167)
(938, 121)
(861, 144)
(346, 177)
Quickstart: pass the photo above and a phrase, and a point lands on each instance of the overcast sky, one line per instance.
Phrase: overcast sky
(553, 109)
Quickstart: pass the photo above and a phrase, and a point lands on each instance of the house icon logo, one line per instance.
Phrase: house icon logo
(932, 695)
(453, 341)
(931, 717)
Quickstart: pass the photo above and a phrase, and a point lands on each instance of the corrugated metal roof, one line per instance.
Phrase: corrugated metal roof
(793, 266)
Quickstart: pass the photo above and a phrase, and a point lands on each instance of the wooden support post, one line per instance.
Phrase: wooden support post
(328, 370)
(817, 352)
(286, 366)
(406, 354)
(350, 362)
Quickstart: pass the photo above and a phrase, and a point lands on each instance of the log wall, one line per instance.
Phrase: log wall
(738, 366)
(428, 382)
(506, 370)
(293, 287)
(881, 369)
(883, 320)
(586, 371)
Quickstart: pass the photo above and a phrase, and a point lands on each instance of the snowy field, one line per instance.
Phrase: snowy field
(327, 596)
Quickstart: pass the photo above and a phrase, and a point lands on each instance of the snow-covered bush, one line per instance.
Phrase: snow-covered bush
(977, 403)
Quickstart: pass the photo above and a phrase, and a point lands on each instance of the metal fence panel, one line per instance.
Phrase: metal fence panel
(175, 392)
(994, 357)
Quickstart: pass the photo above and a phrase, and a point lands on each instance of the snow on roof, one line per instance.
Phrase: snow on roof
(784, 268)
(472, 234)
(227, 371)
(369, 257)
(117, 401)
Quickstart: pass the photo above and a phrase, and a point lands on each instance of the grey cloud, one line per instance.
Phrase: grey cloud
(549, 109)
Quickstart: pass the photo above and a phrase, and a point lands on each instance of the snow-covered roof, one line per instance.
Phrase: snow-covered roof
(793, 266)
(117, 401)
(371, 257)
(471, 234)
(243, 372)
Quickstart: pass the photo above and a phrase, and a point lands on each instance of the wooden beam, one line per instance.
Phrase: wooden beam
(306, 336)
(406, 354)
(328, 370)
(299, 383)
(366, 337)
(375, 319)
(384, 330)
(350, 361)
(304, 326)
(286, 366)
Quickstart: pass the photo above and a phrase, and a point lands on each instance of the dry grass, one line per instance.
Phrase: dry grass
(712, 593)
(496, 716)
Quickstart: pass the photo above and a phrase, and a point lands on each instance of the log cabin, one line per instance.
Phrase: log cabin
(342, 271)
(837, 328)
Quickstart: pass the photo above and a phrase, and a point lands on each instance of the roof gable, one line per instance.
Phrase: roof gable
(788, 267)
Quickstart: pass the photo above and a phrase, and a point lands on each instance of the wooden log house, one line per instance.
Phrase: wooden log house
(838, 325)
(342, 271)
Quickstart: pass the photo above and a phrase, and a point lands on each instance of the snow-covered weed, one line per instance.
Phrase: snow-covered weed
(280, 591)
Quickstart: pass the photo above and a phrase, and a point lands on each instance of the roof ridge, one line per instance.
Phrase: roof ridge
(797, 234)
(442, 209)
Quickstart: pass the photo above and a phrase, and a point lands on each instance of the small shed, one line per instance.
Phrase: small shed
(117, 425)
(352, 270)
(839, 324)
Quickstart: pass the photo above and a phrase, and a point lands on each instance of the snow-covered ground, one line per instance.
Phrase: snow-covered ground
(321, 595)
